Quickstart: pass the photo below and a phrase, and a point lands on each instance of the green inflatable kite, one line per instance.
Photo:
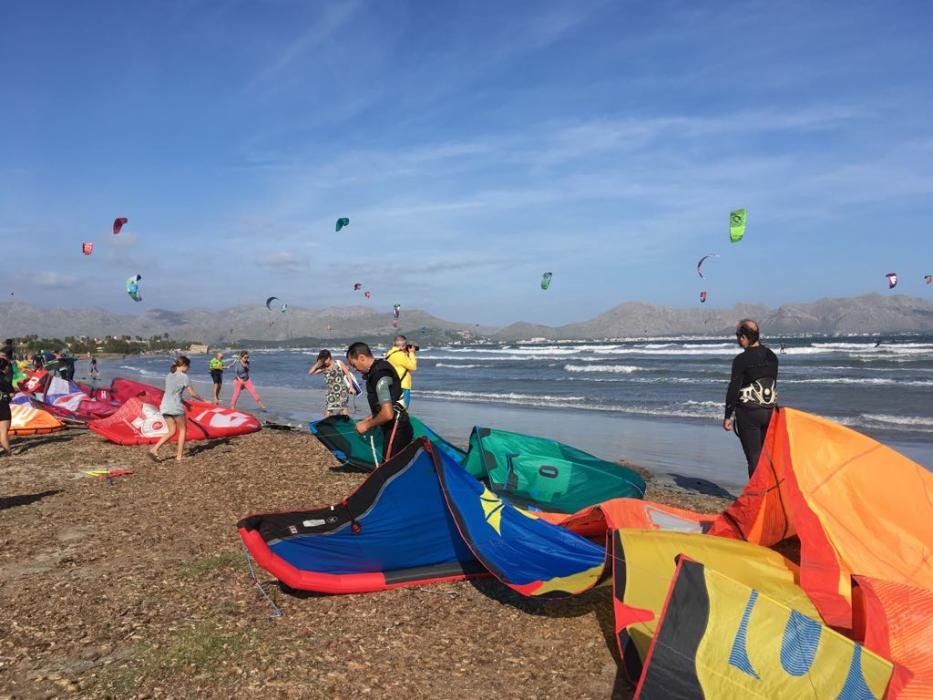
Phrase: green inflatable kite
(737, 221)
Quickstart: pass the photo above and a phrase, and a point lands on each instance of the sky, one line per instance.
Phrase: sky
(474, 145)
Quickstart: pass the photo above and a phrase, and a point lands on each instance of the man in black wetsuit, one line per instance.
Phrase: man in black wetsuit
(384, 392)
(752, 393)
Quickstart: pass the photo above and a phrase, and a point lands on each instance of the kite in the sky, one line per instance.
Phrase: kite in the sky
(703, 296)
(343, 221)
(546, 280)
(132, 287)
(737, 221)
(700, 264)
(368, 294)
(357, 287)
(892, 280)
(87, 248)
(928, 278)
(118, 224)
(269, 301)
(397, 310)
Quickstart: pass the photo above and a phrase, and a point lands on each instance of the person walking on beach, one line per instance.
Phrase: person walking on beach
(402, 356)
(172, 408)
(217, 368)
(384, 393)
(6, 395)
(92, 368)
(752, 392)
(336, 379)
(242, 381)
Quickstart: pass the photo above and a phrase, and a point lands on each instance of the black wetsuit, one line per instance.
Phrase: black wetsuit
(755, 371)
(6, 389)
(397, 433)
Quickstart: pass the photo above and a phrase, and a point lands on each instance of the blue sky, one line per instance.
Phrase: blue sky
(474, 145)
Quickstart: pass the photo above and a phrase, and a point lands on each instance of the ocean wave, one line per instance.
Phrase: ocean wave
(612, 369)
(909, 423)
(143, 372)
(682, 409)
(873, 381)
(453, 366)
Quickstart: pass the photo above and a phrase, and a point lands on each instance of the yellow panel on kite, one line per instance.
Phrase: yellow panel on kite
(644, 562)
(719, 638)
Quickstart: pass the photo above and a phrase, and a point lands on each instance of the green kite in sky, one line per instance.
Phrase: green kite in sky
(737, 220)
(341, 222)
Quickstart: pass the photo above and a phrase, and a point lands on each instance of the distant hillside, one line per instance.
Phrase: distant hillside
(240, 323)
(872, 313)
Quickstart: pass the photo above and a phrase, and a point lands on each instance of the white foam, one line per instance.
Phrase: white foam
(611, 369)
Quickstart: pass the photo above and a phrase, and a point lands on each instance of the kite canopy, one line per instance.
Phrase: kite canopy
(720, 637)
(702, 260)
(87, 248)
(928, 278)
(343, 221)
(395, 530)
(737, 222)
(118, 224)
(368, 294)
(357, 286)
(132, 287)
(546, 473)
(546, 280)
(823, 482)
(29, 420)
(892, 280)
(338, 434)
(703, 297)
(138, 422)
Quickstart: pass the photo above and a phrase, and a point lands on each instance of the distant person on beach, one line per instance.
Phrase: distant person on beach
(752, 392)
(242, 381)
(336, 389)
(172, 408)
(37, 361)
(6, 395)
(217, 368)
(783, 348)
(7, 349)
(384, 393)
(92, 368)
(403, 357)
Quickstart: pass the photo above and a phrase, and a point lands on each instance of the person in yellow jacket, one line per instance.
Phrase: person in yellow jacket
(402, 356)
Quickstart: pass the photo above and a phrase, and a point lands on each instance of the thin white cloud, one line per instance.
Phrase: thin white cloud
(333, 18)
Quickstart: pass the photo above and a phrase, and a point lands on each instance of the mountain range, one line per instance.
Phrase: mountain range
(872, 313)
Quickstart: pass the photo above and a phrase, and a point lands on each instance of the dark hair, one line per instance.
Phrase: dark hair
(747, 328)
(357, 349)
(401, 337)
(180, 361)
(323, 356)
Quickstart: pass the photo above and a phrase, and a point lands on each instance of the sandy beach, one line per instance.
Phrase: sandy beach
(138, 587)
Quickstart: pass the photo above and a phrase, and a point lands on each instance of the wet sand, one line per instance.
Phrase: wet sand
(137, 587)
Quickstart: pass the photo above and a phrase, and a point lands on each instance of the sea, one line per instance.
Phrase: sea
(656, 402)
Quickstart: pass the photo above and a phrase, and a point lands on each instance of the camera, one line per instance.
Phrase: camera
(411, 347)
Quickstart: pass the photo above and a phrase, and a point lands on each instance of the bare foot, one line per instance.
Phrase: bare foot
(154, 456)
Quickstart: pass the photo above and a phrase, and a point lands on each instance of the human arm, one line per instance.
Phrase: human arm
(404, 360)
(732, 393)
(194, 393)
(386, 412)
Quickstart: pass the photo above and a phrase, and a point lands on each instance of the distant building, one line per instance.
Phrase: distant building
(197, 349)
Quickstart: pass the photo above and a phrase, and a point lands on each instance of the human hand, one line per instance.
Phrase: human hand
(727, 425)
(361, 427)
